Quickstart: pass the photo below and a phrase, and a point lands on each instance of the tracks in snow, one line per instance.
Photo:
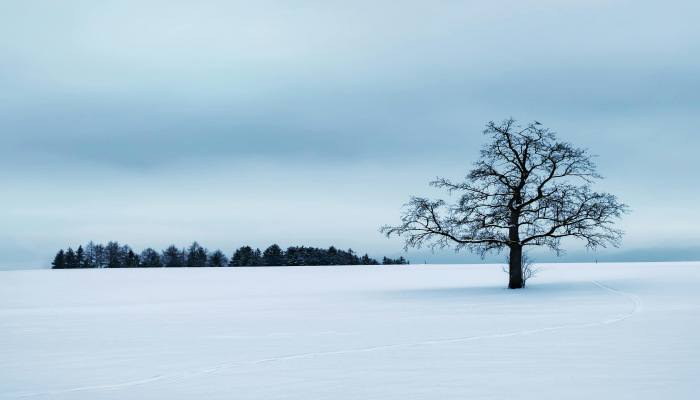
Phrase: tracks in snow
(159, 378)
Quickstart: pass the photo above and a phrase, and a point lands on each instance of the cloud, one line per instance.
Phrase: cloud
(151, 82)
(111, 105)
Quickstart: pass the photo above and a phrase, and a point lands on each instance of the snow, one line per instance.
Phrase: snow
(579, 331)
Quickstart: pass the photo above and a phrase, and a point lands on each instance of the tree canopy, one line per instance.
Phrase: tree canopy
(527, 189)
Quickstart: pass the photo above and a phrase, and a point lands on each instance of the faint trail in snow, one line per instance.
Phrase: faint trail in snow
(634, 299)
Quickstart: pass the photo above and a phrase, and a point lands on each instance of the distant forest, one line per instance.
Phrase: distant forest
(114, 255)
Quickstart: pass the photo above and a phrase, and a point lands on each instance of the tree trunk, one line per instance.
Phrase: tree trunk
(515, 267)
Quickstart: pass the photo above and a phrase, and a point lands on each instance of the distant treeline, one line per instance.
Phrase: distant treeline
(114, 255)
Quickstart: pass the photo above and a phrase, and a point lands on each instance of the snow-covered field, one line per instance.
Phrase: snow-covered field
(579, 331)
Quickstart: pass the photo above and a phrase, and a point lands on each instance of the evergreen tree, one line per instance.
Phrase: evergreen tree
(173, 257)
(353, 259)
(183, 257)
(80, 256)
(202, 256)
(131, 260)
(123, 256)
(332, 256)
(398, 261)
(59, 260)
(255, 258)
(217, 259)
(246, 257)
(304, 255)
(292, 256)
(236, 258)
(366, 260)
(150, 259)
(196, 256)
(273, 256)
(313, 256)
(70, 260)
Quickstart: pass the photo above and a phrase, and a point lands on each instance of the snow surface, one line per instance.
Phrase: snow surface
(579, 331)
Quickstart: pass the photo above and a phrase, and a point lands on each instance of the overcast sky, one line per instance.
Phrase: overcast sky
(311, 122)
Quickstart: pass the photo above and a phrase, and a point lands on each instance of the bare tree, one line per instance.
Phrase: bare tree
(527, 189)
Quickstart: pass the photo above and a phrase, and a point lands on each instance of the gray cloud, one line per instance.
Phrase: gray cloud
(132, 89)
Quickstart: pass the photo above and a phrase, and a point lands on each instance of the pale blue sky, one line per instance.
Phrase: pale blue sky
(311, 122)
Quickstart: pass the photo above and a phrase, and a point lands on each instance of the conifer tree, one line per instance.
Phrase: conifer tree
(366, 260)
(217, 259)
(196, 256)
(292, 256)
(70, 259)
(353, 259)
(246, 257)
(332, 256)
(256, 258)
(236, 258)
(172, 257)
(80, 257)
(150, 259)
(272, 256)
(59, 260)
(131, 260)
